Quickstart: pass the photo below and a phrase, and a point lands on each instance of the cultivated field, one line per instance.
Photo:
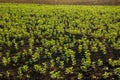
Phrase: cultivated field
(59, 42)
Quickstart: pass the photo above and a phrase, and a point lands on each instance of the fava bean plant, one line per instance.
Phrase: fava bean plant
(59, 42)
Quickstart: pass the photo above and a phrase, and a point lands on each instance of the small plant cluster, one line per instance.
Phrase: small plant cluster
(59, 42)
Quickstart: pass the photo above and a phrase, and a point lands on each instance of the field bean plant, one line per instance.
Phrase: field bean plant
(59, 42)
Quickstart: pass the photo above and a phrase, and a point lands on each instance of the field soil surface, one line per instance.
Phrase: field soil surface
(96, 2)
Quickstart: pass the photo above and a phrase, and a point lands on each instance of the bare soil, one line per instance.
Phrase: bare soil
(97, 2)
